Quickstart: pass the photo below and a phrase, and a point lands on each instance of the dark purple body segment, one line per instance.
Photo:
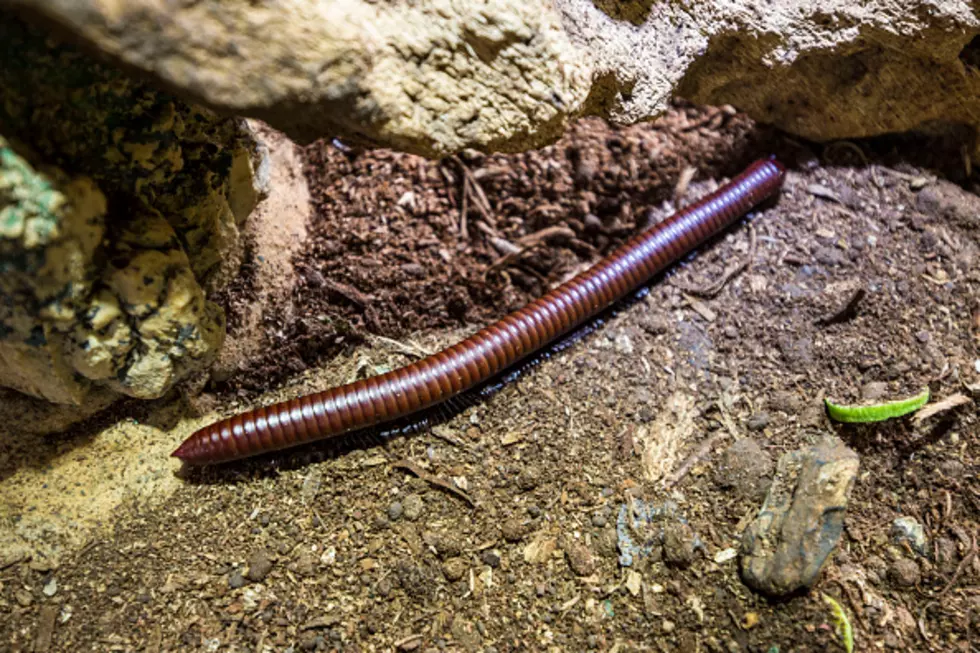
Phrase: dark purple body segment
(482, 356)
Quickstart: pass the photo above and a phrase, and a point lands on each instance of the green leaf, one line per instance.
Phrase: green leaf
(841, 623)
(877, 412)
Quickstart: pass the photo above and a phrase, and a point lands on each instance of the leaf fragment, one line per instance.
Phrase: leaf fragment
(876, 412)
(841, 623)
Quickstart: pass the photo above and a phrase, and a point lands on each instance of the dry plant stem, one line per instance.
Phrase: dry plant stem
(432, 479)
(711, 290)
(698, 454)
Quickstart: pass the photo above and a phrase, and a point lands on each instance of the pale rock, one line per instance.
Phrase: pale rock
(438, 77)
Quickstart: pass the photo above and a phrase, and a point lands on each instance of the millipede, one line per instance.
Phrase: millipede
(488, 354)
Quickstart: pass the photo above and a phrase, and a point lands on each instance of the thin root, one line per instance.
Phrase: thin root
(719, 284)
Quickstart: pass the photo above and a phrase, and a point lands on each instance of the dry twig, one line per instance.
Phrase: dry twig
(432, 479)
(718, 285)
(703, 450)
(528, 243)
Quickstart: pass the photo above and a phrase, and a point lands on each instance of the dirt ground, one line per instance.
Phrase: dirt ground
(367, 550)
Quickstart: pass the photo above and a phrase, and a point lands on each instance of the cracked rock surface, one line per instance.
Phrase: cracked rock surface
(131, 323)
(121, 208)
(799, 525)
(502, 75)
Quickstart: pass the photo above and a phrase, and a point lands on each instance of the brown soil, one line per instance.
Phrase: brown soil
(321, 558)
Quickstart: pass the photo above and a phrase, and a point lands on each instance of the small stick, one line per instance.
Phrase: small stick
(695, 456)
(960, 568)
(712, 289)
(432, 479)
(529, 242)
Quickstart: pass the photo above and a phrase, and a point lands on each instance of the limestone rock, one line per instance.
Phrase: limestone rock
(50, 227)
(104, 269)
(132, 324)
(800, 523)
(435, 77)
(425, 77)
(141, 146)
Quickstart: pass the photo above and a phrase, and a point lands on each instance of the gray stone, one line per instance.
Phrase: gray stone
(413, 507)
(908, 529)
(801, 520)
(259, 565)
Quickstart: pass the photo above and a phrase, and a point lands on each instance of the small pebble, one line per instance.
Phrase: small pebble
(746, 467)
(905, 573)
(395, 511)
(490, 558)
(579, 557)
(678, 544)
(669, 626)
(447, 546)
(309, 640)
(730, 332)
(908, 529)
(50, 588)
(236, 580)
(874, 390)
(512, 529)
(413, 506)
(259, 565)
(607, 543)
(527, 480)
(599, 520)
(758, 421)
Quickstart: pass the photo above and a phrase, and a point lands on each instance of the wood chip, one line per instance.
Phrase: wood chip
(432, 479)
(349, 293)
(697, 455)
(45, 627)
(818, 190)
(409, 643)
(511, 437)
(942, 406)
(540, 549)
(633, 582)
(701, 308)
(680, 190)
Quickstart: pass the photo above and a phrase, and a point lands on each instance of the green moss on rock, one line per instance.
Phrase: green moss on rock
(107, 250)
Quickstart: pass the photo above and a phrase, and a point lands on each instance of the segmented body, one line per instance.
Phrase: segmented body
(494, 349)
